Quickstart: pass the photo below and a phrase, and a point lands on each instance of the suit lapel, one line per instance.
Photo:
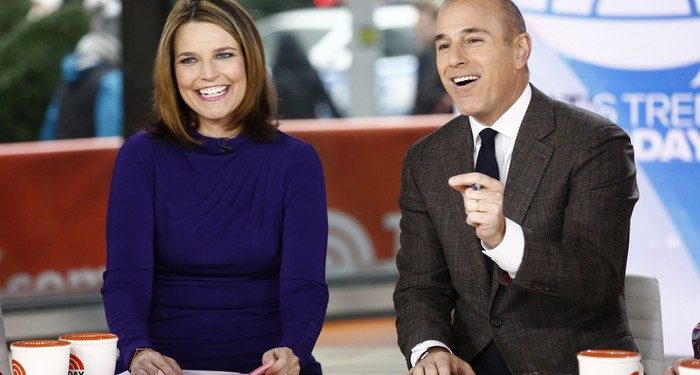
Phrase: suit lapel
(530, 158)
(458, 160)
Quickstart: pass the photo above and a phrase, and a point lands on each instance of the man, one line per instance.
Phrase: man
(517, 267)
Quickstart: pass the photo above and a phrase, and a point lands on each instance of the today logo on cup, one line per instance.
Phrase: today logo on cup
(91, 353)
(40, 357)
(609, 362)
(75, 365)
(17, 368)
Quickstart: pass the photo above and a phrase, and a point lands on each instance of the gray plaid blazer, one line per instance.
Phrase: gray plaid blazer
(571, 186)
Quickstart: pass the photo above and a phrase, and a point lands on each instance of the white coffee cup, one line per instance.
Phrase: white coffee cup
(689, 366)
(40, 357)
(91, 353)
(609, 362)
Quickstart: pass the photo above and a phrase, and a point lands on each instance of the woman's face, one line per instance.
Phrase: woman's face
(210, 72)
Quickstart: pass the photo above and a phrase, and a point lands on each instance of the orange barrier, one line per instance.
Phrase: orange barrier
(52, 220)
(362, 164)
(54, 197)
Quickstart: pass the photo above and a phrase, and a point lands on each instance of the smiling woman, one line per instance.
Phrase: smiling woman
(212, 30)
(217, 222)
(210, 74)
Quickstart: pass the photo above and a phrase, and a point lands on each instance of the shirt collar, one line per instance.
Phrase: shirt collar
(509, 123)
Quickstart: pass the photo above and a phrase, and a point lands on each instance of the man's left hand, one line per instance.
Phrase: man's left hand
(441, 362)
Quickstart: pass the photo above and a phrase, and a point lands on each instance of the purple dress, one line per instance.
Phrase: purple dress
(216, 254)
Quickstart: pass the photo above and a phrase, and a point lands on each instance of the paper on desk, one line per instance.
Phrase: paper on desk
(199, 372)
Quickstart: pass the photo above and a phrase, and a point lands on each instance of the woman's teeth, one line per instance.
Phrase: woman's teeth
(212, 92)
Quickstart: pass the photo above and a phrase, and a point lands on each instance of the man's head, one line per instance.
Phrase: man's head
(482, 52)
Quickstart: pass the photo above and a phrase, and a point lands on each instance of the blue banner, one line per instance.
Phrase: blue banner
(637, 62)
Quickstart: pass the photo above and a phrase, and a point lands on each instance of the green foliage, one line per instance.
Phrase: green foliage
(30, 57)
(11, 12)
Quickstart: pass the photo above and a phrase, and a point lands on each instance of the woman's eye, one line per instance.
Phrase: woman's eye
(224, 55)
(188, 60)
(442, 46)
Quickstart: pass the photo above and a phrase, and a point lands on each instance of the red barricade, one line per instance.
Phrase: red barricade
(54, 194)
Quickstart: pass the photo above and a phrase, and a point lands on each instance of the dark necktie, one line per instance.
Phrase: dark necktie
(486, 164)
(489, 361)
(486, 160)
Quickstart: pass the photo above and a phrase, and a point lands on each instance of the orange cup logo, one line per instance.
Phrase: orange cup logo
(75, 365)
(17, 368)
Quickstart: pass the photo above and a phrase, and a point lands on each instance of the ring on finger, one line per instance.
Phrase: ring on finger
(478, 209)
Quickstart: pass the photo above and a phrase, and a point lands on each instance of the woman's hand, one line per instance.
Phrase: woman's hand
(283, 360)
(150, 362)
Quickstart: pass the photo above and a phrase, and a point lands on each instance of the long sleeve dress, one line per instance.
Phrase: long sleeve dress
(216, 254)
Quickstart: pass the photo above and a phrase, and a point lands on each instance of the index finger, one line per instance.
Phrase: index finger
(461, 182)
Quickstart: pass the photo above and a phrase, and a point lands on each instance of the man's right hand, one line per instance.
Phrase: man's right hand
(150, 362)
(441, 362)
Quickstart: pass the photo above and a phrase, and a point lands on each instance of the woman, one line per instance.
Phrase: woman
(217, 225)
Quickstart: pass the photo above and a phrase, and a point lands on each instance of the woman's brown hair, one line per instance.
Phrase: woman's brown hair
(257, 113)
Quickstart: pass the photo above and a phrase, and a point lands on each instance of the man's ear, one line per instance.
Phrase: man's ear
(522, 48)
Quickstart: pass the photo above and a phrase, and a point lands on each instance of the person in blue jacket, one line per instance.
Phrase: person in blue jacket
(89, 101)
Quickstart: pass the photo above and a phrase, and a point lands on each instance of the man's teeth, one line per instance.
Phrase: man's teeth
(464, 79)
(212, 91)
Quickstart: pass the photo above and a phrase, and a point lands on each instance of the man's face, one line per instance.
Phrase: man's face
(479, 71)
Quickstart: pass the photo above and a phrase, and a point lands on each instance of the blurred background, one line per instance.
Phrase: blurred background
(357, 79)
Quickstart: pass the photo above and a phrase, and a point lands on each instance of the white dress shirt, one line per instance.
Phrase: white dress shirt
(509, 253)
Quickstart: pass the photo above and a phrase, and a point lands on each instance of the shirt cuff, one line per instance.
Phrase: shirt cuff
(422, 347)
(509, 253)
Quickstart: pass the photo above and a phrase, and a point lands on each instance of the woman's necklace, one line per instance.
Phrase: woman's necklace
(223, 145)
(221, 140)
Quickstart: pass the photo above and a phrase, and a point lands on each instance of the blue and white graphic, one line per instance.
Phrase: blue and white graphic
(638, 63)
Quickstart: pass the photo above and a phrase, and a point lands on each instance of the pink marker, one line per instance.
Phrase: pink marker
(261, 370)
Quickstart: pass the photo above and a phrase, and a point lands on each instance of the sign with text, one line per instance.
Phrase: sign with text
(638, 63)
